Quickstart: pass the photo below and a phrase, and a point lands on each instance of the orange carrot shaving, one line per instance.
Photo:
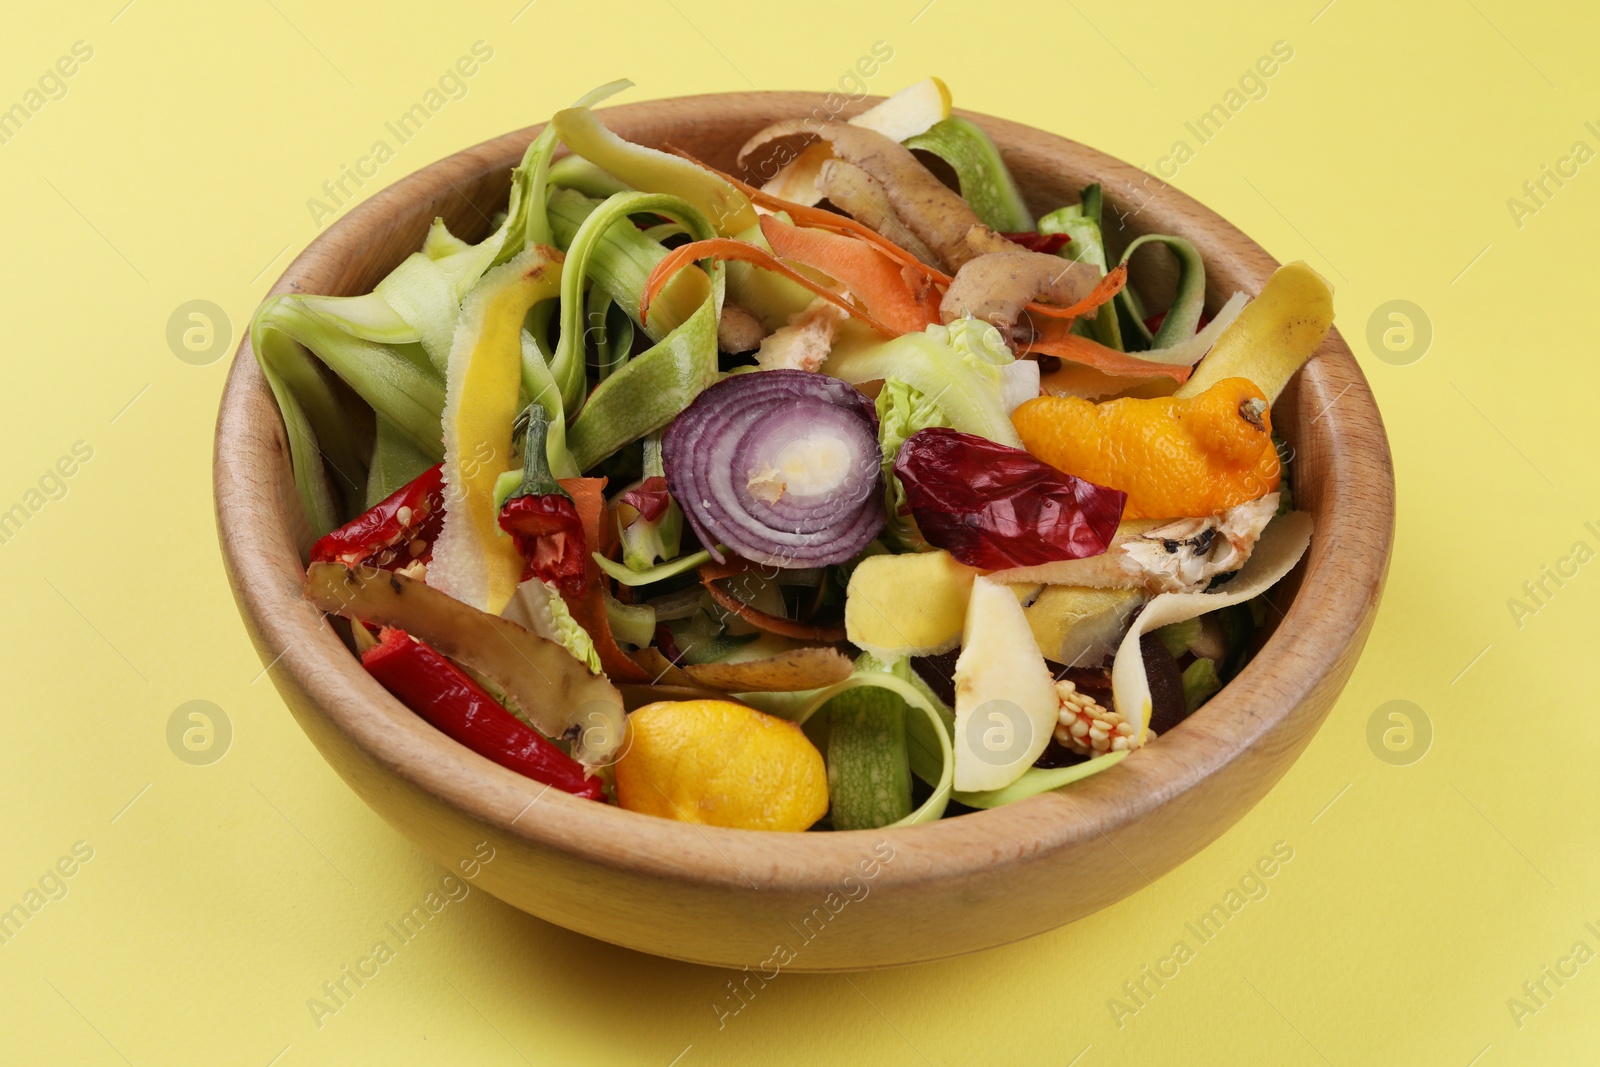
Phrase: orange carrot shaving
(728, 248)
(924, 290)
(589, 610)
(1108, 287)
(1075, 379)
(872, 277)
(1055, 338)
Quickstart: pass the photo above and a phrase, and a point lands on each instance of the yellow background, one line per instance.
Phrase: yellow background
(1420, 897)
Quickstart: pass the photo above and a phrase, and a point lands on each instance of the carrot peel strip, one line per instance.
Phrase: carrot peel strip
(871, 276)
(1057, 339)
(1104, 290)
(728, 248)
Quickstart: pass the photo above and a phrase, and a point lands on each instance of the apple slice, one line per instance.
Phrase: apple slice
(1006, 703)
(905, 114)
(910, 111)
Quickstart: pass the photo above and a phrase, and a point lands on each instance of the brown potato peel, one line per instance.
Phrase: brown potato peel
(799, 668)
(548, 688)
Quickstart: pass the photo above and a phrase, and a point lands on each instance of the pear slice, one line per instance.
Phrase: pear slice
(1006, 703)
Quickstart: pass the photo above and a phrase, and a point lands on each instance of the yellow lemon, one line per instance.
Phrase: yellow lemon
(718, 763)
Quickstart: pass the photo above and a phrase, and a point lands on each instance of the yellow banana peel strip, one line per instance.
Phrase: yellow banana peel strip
(473, 560)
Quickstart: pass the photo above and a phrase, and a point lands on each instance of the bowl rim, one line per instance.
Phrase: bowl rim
(1341, 579)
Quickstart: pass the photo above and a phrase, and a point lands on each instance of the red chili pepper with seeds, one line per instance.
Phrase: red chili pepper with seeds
(461, 709)
(992, 506)
(395, 532)
(542, 519)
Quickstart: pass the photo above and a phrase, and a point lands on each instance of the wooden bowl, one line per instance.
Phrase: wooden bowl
(816, 901)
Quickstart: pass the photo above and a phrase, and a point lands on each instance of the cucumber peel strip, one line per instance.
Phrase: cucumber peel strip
(577, 173)
(1082, 223)
(932, 808)
(1188, 302)
(1189, 351)
(1036, 780)
(288, 338)
(652, 388)
(440, 242)
(622, 261)
(985, 181)
(869, 773)
(419, 310)
(396, 461)
(660, 572)
(647, 168)
(393, 385)
(541, 388)
(567, 365)
(315, 426)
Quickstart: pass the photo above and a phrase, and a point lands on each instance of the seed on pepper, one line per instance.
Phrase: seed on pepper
(411, 515)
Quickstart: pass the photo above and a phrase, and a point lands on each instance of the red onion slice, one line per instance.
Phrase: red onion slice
(782, 467)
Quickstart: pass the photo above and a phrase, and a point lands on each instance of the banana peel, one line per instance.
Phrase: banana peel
(473, 560)
(1272, 337)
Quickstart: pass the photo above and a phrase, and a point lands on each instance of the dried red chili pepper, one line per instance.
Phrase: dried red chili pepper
(396, 531)
(992, 506)
(542, 519)
(1048, 243)
(458, 707)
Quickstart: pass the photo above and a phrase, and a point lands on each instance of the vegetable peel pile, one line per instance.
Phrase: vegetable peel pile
(754, 504)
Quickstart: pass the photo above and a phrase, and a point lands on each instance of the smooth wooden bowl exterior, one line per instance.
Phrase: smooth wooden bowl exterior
(818, 901)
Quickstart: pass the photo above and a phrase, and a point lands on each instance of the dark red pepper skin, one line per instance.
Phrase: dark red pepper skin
(549, 534)
(667, 643)
(649, 498)
(992, 506)
(458, 707)
(378, 538)
(1153, 323)
(1048, 243)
